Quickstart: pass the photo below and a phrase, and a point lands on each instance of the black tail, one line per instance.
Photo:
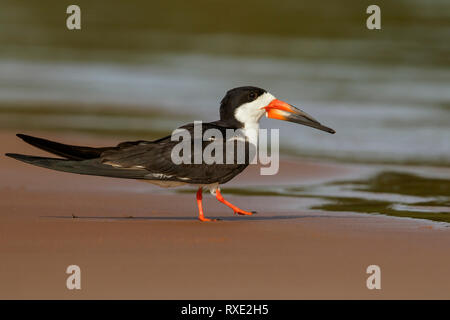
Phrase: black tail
(64, 150)
(88, 167)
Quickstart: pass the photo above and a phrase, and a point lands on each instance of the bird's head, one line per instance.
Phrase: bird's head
(244, 106)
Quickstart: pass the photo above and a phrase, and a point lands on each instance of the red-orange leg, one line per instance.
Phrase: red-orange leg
(201, 216)
(235, 209)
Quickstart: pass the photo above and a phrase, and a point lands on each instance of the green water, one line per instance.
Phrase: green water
(436, 209)
(136, 30)
(382, 194)
(401, 183)
(384, 207)
(377, 89)
(91, 119)
(138, 69)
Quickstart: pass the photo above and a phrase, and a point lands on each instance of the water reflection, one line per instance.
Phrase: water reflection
(385, 92)
(392, 193)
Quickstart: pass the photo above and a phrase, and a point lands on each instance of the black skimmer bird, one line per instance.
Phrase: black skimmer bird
(241, 108)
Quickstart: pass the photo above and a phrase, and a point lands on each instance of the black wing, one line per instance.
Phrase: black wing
(135, 159)
(156, 158)
(69, 151)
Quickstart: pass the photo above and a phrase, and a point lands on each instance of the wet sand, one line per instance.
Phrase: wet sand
(135, 240)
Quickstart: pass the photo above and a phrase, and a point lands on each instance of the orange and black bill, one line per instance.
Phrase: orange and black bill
(280, 110)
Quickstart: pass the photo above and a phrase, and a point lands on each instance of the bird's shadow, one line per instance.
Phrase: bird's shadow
(183, 218)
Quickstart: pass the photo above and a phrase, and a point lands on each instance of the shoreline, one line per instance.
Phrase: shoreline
(286, 251)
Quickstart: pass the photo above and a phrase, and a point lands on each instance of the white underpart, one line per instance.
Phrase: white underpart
(173, 184)
(250, 113)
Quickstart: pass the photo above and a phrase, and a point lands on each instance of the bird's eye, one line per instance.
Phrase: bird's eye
(252, 96)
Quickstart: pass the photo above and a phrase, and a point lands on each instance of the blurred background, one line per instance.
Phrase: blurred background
(137, 69)
(141, 68)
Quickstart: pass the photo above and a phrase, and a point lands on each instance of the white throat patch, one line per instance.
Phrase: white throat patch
(250, 113)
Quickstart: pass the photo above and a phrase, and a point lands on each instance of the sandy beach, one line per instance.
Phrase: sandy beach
(133, 240)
